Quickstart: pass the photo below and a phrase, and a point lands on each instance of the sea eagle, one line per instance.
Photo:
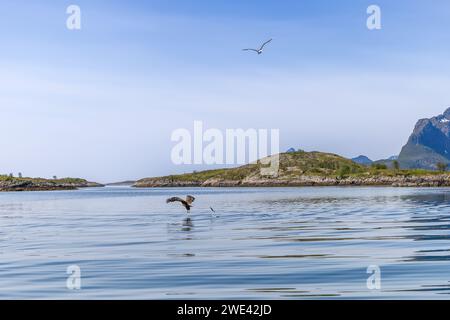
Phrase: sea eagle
(186, 203)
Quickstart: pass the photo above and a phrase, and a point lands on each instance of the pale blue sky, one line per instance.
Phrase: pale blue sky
(102, 102)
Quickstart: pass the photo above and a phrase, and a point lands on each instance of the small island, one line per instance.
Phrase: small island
(10, 183)
(306, 169)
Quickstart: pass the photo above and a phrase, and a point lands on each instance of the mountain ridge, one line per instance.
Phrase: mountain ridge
(429, 143)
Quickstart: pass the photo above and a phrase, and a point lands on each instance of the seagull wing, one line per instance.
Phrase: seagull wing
(250, 50)
(264, 44)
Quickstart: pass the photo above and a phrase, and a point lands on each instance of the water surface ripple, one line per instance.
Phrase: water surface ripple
(262, 243)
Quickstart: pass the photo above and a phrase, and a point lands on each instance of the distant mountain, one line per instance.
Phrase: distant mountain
(290, 150)
(389, 162)
(429, 144)
(362, 160)
(121, 183)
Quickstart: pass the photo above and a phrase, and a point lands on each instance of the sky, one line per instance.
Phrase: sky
(102, 102)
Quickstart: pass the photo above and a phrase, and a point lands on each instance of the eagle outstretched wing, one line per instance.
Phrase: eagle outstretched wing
(186, 203)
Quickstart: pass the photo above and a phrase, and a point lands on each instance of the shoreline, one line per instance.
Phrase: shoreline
(426, 181)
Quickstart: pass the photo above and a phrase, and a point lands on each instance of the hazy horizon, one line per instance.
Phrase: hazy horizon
(101, 102)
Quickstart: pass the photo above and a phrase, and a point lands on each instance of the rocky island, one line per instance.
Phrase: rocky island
(8, 183)
(305, 169)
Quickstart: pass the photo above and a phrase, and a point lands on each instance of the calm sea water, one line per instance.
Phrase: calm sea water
(283, 243)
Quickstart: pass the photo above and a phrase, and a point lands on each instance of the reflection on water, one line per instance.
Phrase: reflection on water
(262, 243)
(187, 224)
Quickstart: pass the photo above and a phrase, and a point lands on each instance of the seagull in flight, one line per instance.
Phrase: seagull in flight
(260, 50)
(186, 203)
